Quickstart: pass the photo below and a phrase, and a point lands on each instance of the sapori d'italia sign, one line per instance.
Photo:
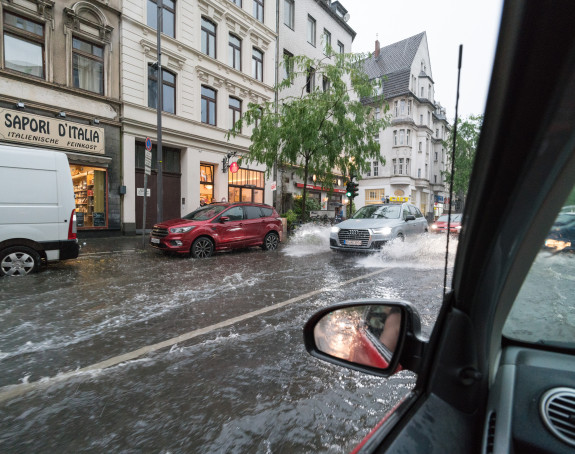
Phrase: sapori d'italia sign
(16, 126)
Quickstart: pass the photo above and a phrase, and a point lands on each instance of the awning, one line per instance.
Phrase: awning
(79, 158)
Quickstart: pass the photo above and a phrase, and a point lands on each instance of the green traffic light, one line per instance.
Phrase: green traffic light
(348, 194)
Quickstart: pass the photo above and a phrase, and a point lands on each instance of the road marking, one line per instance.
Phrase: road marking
(11, 391)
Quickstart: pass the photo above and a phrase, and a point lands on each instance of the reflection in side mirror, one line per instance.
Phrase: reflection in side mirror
(365, 335)
(378, 337)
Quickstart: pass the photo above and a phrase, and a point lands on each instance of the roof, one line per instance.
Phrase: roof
(394, 62)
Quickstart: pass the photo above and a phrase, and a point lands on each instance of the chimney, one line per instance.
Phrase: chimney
(376, 54)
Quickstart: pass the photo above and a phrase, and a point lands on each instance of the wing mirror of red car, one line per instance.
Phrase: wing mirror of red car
(378, 337)
(224, 219)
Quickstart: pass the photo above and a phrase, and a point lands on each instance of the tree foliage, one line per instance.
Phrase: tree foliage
(468, 131)
(321, 132)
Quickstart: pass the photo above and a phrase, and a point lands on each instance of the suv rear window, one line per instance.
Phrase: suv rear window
(253, 212)
(267, 211)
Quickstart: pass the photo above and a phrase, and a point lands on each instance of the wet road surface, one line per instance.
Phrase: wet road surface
(241, 380)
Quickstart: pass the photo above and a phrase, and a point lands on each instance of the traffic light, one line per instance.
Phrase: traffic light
(348, 189)
(354, 190)
(351, 190)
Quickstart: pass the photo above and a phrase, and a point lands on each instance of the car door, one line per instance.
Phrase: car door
(496, 376)
(253, 225)
(230, 229)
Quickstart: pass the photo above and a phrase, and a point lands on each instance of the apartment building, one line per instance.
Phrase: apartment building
(413, 145)
(217, 56)
(306, 26)
(60, 90)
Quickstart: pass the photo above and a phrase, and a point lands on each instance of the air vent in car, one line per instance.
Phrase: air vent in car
(490, 434)
(557, 409)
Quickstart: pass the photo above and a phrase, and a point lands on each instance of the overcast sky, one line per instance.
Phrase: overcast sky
(448, 24)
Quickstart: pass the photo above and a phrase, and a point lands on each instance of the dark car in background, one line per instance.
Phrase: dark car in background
(374, 225)
(218, 227)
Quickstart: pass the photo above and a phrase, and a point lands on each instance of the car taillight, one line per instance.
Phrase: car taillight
(72, 227)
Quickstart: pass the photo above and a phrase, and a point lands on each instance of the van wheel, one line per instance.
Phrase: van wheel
(18, 261)
(202, 248)
(400, 237)
(271, 242)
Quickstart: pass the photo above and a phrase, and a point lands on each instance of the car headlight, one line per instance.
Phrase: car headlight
(433, 226)
(458, 227)
(382, 231)
(182, 229)
(335, 229)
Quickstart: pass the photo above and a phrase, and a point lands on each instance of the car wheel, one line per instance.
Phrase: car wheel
(202, 248)
(271, 242)
(19, 261)
(400, 237)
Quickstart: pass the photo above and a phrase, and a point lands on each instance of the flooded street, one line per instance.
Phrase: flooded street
(135, 351)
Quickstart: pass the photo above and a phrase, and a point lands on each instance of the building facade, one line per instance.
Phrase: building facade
(60, 90)
(305, 27)
(413, 146)
(217, 56)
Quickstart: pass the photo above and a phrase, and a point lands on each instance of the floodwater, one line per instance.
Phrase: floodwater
(240, 382)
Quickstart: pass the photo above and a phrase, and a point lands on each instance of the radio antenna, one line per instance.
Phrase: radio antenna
(452, 172)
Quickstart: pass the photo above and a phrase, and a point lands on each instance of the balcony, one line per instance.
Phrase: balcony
(400, 179)
(402, 120)
(421, 183)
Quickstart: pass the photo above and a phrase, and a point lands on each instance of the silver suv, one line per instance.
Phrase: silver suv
(374, 225)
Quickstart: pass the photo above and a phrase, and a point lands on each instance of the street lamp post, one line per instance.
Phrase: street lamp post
(159, 105)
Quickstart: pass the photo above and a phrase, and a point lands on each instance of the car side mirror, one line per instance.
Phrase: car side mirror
(410, 217)
(378, 337)
(224, 219)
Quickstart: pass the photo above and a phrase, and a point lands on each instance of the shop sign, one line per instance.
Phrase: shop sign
(31, 129)
(234, 167)
(140, 192)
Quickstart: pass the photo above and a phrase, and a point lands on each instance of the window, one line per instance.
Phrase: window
(395, 138)
(259, 10)
(235, 52)
(246, 186)
(88, 66)
(288, 64)
(23, 45)
(90, 190)
(237, 2)
(208, 106)
(168, 89)
(340, 47)
(377, 113)
(168, 16)
(436, 156)
(326, 41)
(258, 64)
(208, 38)
(396, 108)
(310, 80)
(435, 178)
(400, 168)
(428, 118)
(421, 119)
(375, 168)
(368, 173)
(374, 196)
(418, 173)
(402, 107)
(419, 148)
(408, 140)
(436, 132)
(325, 83)
(311, 30)
(260, 114)
(422, 92)
(235, 111)
(207, 182)
(289, 13)
(409, 107)
(394, 166)
(401, 136)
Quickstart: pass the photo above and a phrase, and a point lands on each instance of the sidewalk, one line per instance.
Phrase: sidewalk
(111, 244)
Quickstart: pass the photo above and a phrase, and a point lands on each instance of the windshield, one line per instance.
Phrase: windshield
(445, 218)
(205, 213)
(378, 212)
(544, 311)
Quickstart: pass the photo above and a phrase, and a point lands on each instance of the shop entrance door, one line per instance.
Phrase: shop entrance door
(172, 198)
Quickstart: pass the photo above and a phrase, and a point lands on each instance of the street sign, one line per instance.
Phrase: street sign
(273, 186)
(148, 162)
(234, 167)
(148, 144)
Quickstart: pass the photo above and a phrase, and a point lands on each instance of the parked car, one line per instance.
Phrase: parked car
(374, 225)
(497, 374)
(37, 209)
(440, 225)
(218, 227)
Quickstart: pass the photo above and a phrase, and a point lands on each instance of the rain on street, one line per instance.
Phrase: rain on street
(135, 351)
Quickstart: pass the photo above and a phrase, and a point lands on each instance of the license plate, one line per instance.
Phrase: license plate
(352, 242)
(155, 240)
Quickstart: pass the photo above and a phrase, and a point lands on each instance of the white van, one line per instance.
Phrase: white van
(37, 209)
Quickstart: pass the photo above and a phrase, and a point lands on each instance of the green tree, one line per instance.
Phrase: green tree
(320, 131)
(468, 131)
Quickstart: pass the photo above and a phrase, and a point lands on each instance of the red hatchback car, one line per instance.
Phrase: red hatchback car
(440, 226)
(219, 226)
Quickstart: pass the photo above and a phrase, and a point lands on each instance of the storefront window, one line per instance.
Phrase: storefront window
(246, 186)
(90, 192)
(207, 183)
